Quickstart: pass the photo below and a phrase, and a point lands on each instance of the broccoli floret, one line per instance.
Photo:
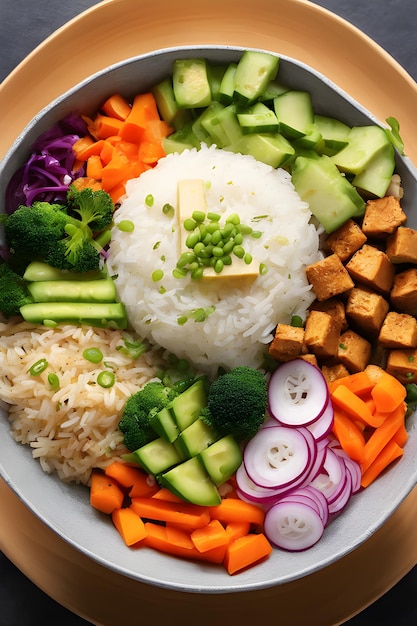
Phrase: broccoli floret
(237, 402)
(13, 291)
(63, 236)
(135, 422)
(94, 208)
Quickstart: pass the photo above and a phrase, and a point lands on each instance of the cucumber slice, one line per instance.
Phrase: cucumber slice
(195, 438)
(254, 72)
(190, 83)
(375, 179)
(186, 407)
(364, 143)
(258, 119)
(102, 290)
(101, 315)
(227, 85)
(157, 456)
(294, 111)
(190, 481)
(167, 106)
(215, 76)
(331, 197)
(222, 459)
(335, 133)
(164, 425)
(182, 139)
(273, 89)
(272, 149)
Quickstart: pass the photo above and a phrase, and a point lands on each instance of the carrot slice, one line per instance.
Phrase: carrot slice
(105, 493)
(186, 514)
(354, 406)
(246, 551)
(105, 126)
(359, 383)
(381, 437)
(388, 393)
(390, 453)
(130, 525)
(132, 479)
(143, 110)
(116, 106)
(234, 530)
(211, 536)
(348, 434)
(235, 510)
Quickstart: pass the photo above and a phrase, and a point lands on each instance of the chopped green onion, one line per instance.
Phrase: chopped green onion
(53, 381)
(94, 355)
(157, 275)
(263, 269)
(297, 321)
(106, 379)
(38, 367)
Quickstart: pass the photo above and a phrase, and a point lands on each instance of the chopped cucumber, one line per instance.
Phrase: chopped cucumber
(254, 72)
(167, 106)
(258, 119)
(272, 90)
(375, 179)
(182, 139)
(190, 481)
(102, 290)
(331, 197)
(215, 76)
(164, 425)
(335, 133)
(294, 111)
(38, 270)
(187, 407)
(221, 459)
(272, 149)
(157, 456)
(227, 85)
(364, 143)
(195, 438)
(102, 315)
(191, 84)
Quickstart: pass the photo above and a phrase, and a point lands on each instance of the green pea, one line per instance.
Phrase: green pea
(126, 226)
(218, 252)
(248, 258)
(297, 321)
(216, 237)
(214, 217)
(233, 218)
(212, 227)
(218, 266)
(228, 247)
(238, 239)
(183, 319)
(207, 239)
(262, 269)
(94, 355)
(157, 275)
(244, 229)
(198, 216)
(168, 210)
(199, 248)
(197, 273)
(192, 239)
(227, 230)
(149, 200)
(179, 272)
(189, 224)
(256, 234)
(227, 259)
(162, 290)
(185, 259)
(38, 367)
(53, 381)
(106, 379)
(239, 251)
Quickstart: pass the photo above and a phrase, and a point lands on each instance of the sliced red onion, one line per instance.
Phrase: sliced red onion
(293, 526)
(279, 456)
(343, 498)
(321, 500)
(251, 492)
(322, 426)
(297, 393)
(352, 466)
(331, 480)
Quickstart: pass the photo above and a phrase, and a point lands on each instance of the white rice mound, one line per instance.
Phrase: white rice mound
(74, 429)
(242, 323)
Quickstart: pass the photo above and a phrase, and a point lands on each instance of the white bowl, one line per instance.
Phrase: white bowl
(65, 508)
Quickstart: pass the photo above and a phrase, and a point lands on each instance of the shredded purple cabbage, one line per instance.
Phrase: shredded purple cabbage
(49, 170)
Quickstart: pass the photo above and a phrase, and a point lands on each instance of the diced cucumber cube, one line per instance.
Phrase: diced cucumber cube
(190, 481)
(254, 72)
(294, 111)
(190, 83)
(157, 456)
(222, 459)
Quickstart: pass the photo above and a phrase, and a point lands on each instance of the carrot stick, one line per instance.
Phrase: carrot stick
(401, 436)
(86, 146)
(130, 525)
(105, 126)
(381, 437)
(387, 455)
(105, 493)
(388, 393)
(106, 152)
(211, 536)
(359, 383)
(354, 406)
(172, 540)
(132, 479)
(348, 434)
(186, 514)
(165, 494)
(234, 530)
(116, 106)
(246, 551)
(235, 510)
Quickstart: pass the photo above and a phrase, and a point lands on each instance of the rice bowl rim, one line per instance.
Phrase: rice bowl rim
(97, 539)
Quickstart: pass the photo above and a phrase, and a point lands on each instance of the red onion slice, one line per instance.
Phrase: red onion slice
(331, 480)
(297, 393)
(278, 457)
(293, 526)
(344, 496)
(322, 426)
(251, 492)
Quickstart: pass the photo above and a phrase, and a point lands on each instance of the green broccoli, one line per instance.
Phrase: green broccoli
(135, 424)
(61, 235)
(13, 291)
(237, 402)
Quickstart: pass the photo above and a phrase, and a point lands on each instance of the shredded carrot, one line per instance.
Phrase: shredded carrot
(105, 493)
(246, 551)
(130, 525)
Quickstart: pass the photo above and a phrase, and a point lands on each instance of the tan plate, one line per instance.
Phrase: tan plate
(110, 32)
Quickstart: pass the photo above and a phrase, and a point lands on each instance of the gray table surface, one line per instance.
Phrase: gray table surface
(25, 24)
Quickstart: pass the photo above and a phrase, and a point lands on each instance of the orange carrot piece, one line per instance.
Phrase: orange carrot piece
(388, 393)
(131, 478)
(117, 192)
(116, 106)
(246, 551)
(105, 493)
(151, 152)
(209, 537)
(172, 540)
(235, 510)
(106, 152)
(84, 181)
(167, 495)
(345, 399)
(94, 167)
(401, 436)
(234, 530)
(105, 126)
(115, 172)
(183, 513)
(390, 453)
(130, 525)
(86, 146)
(348, 434)
(156, 130)
(143, 110)
(381, 436)
(359, 383)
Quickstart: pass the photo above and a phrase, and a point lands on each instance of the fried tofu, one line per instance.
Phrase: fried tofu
(404, 291)
(333, 307)
(401, 246)
(328, 277)
(403, 365)
(346, 240)
(372, 267)
(288, 343)
(334, 372)
(366, 310)
(382, 217)
(398, 331)
(321, 334)
(354, 351)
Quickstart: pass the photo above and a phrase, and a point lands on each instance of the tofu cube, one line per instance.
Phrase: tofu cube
(382, 217)
(403, 365)
(288, 343)
(398, 331)
(321, 334)
(354, 351)
(366, 310)
(334, 372)
(401, 246)
(372, 267)
(404, 291)
(346, 240)
(328, 277)
(333, 307)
